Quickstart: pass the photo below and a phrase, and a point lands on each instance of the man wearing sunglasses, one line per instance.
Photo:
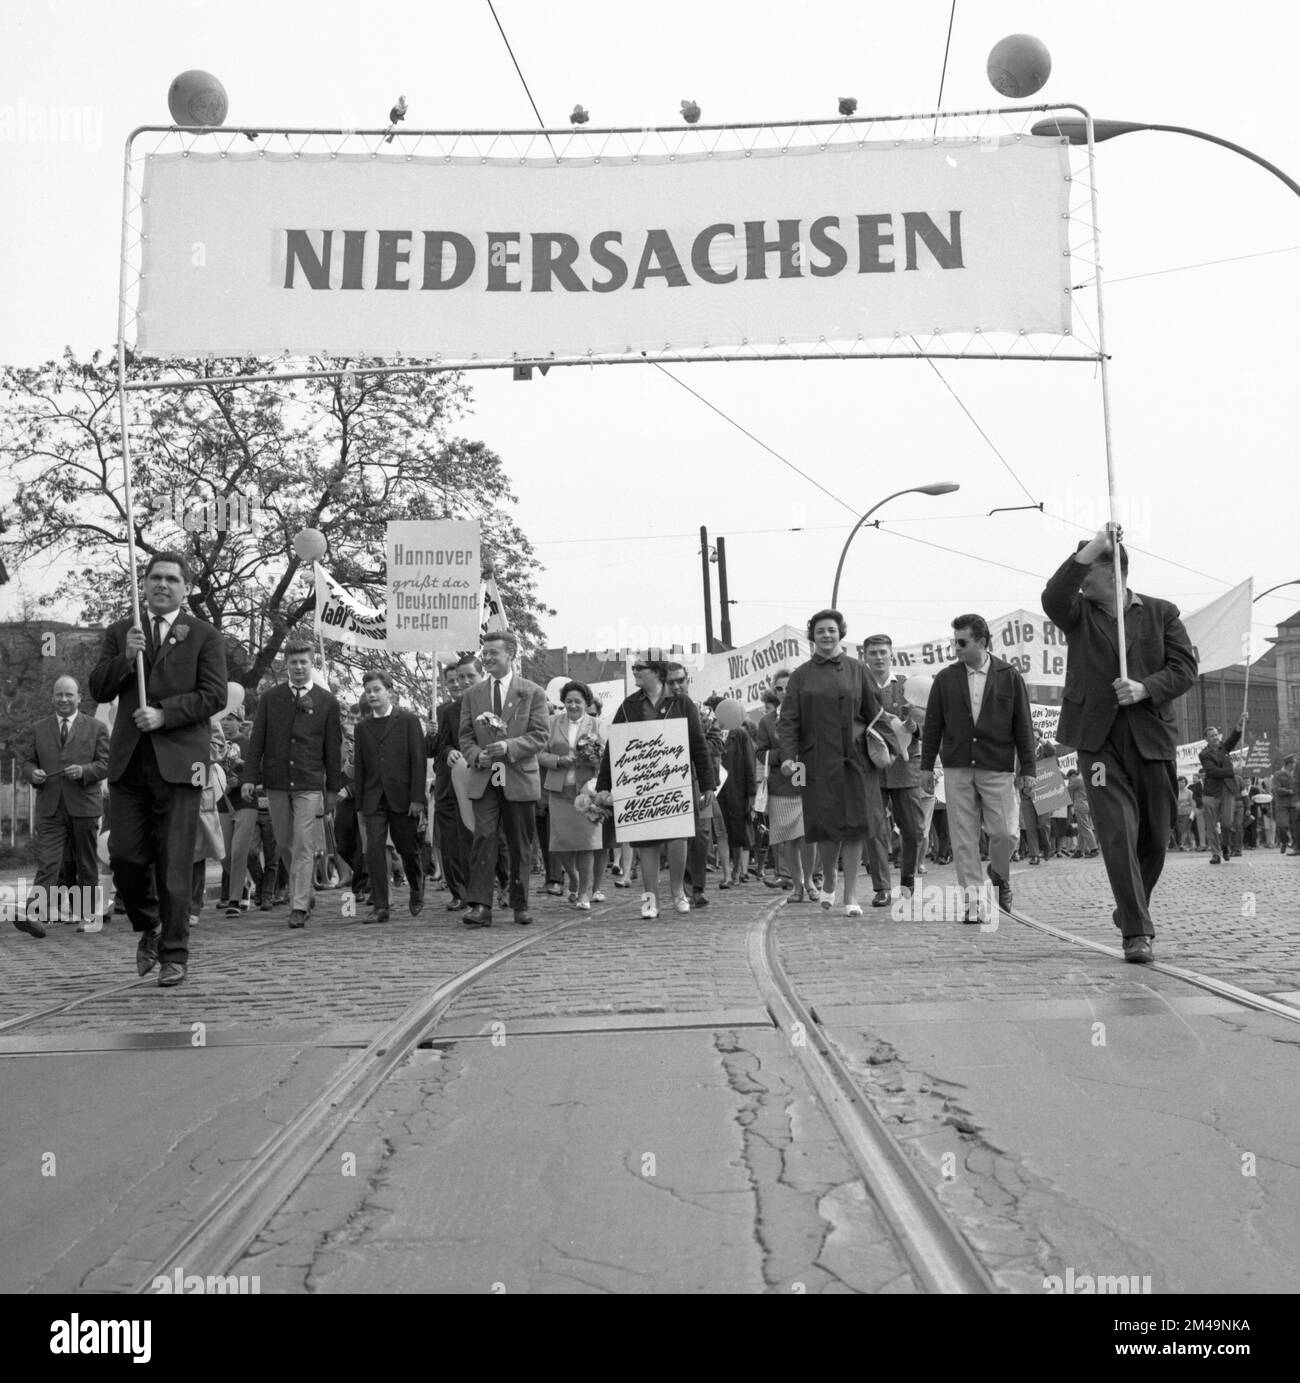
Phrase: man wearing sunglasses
(979, 723)
(1123, 727)
(296, 752)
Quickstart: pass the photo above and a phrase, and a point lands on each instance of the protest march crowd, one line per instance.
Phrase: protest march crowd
(841, 764)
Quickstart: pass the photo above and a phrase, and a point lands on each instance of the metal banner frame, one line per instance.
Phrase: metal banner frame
(1083, 343)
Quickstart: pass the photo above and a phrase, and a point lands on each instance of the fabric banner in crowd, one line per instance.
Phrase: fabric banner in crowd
(341, 617)
(650, 779)
(434, 597)
(1220, 631)
(1029, 641)
(745, 673)
(460, 259)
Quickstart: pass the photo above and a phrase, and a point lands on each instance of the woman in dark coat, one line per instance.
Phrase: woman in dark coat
(828, 705)
(651, 702)
(737, 798)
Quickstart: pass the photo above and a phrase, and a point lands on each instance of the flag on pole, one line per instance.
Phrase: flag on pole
(345, 620)
(1220, 631)
(494, 611)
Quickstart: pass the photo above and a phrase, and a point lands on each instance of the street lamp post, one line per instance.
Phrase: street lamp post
(1271, 589)
(940, 487)
(1076, 131)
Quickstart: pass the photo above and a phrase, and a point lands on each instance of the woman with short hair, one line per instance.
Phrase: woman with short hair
(829, 703)
(571, 758)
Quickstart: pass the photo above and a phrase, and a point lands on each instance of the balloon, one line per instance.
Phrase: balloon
(730, 714)
(1019, 65)
(234, 699)
(917, 690)
(197, 98)
(554, 687)
(310, 544)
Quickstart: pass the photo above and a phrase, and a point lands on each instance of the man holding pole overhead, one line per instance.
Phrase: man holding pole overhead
(1129, 657)
(158, 759)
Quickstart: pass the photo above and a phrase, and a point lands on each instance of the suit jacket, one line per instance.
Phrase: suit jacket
(444, 737)
(389, 761)
(1003, 733)
(527, 730)
(185, 679)
(1160, 656)
(88, 746)
(1220, 771)
(294, 750)
(557, 747)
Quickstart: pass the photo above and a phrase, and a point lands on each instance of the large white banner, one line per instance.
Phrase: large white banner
(464, 259)
(745, 673)
(344, 619)
(1027, 640)
(434, 599)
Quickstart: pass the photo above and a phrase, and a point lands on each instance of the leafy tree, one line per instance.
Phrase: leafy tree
(229, 473)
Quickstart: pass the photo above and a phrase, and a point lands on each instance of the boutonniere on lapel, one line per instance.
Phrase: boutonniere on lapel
(490, 721)
(180, 632)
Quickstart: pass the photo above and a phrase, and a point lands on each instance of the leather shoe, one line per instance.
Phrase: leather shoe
(171, 974)
(1137, 949)
(31, 926)
(698, 900)
(455, 905)
(379, 915)
(882, 898)
(146, 951)
(523, 917)
(417, 901)
(1003, 887)
(297, 918)
(478, 916)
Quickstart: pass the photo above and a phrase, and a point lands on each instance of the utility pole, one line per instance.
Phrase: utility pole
(708, 593)
(724, 605)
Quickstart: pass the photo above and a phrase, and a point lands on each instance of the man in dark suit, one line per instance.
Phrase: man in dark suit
(503, 727)
(443, 747)
(296, 754)
(69, 762)
(1123, 727)
(158, 759)
(1221, 791)
(389, 766)
(978, 721)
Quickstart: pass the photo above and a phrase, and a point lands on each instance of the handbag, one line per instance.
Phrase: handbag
(877, 749)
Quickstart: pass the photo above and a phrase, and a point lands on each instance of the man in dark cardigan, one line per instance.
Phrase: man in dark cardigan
(1123, 727)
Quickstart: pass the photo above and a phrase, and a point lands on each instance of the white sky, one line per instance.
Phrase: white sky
(617, 468)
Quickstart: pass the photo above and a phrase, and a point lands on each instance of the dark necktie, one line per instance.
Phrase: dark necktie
(63, 730)
(157, 634)
(496, 696)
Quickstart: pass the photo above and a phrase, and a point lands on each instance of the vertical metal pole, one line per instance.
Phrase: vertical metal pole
(320, 628)
(13, 799)
(708, 593)
(122, 423)
(1105, 400)
(724, 605)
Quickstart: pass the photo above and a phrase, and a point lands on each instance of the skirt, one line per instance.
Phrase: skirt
(570, 829)
(784, 819)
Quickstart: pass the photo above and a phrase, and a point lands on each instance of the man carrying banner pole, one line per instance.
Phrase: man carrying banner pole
(1123, 726)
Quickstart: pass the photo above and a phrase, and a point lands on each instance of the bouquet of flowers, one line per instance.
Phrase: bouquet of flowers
(489, 720)
(589, 748)
(595, 806)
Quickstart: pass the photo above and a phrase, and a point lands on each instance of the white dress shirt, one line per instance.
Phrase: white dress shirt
(977, 679)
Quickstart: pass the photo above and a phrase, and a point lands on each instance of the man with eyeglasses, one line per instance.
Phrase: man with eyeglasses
(678, 682)
(296, 753)
(979, 722)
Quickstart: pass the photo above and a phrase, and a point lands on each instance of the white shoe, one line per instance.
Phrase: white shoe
(583, 904)
(96, 924)
(194, 921)
(598, 897)
(682, 904)
(649, 905)
(828, 901)
(853, 910)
